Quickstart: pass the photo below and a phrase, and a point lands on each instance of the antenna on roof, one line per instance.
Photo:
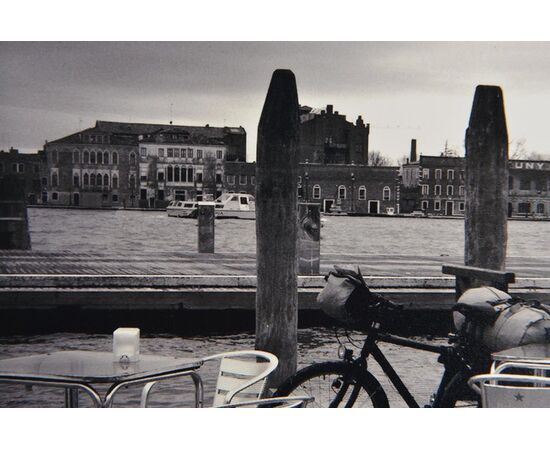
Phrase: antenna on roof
(171, 104)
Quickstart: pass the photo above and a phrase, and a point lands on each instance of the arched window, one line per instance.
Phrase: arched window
(86, 157)
(115, 158)
(540, 208)
(132, 181)
(76, 180)
(115, 182)
(183, 174)
(176, 173)
(316, 192)
(54, 179)
(105, 157)
(362, 193)
(132, 158)
(99, 179)
(76, 157)
(86, 179)
(386, 193)
(92, 157)
(341, 192)
(92, 179)
(99, 158)
(170, 174)
(106, 180)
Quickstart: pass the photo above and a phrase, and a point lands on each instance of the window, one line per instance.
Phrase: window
(85, 157)
(184, 174)
(176, 153)
(92, 157)
(461, 206)
(525, 184)
(176, 174)
(461, 175)
(160, 194)
(160, 175)
(386, 193)
(189, 152)
(425, 189)
(76, 180)
(218, 178)
(55, 196)
(437, 189)
(316, 192)
(242, 179)
(86, 179)
(170, 152)
(362, 193)
(115, 158)
(105, 157)
(341, 192)
(92, 179)
(161, 152)
(199, 177)
(510, 182)
(540, 208)
(230, 179)
(170, 174)
(143, 151)
(132, 182)
(99, 158)
(115, 198)
(219, 154)
(54, 179)
(424, 205)
(183, 153)
(199, 194)
(143, 194)
(461, 190)
(425, 174)
(106, 180)
(438, 174)
(190, 175)
(524, 208)
(99, 179)
(44, 181)
(450, 174)
(199, 154)
(437, 205)
(450, 189)
(132, 158)
(76, 157)
(115, 182)
(539, 185)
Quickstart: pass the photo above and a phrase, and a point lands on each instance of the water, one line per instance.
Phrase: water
(419, 370)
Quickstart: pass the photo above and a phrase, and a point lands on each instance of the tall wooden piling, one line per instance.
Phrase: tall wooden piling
(486, 181)
(206, 224)
(14, 222)
(276, 224)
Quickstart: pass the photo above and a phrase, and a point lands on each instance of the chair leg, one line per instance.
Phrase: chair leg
(199, 390)
(145, 393)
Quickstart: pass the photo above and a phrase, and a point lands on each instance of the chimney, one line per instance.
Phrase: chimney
(329, 109)
(359, 122)
(413, 150)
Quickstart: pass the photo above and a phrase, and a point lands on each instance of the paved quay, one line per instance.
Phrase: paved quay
(188, 263)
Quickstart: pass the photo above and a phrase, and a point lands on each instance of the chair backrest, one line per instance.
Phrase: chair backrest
(242, 376)
(512, 391)
(274, 402)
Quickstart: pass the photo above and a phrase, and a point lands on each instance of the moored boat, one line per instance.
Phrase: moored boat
(235, 206)
(180, 208)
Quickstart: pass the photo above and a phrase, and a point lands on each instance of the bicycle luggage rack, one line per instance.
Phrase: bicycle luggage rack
(468, 277)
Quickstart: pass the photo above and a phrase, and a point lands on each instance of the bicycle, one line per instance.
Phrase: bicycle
(348, 382)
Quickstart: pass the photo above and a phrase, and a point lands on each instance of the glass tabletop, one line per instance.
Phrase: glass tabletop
(532, 352)
(89, 366)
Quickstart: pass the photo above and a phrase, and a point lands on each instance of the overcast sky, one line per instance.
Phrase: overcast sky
(404, 90)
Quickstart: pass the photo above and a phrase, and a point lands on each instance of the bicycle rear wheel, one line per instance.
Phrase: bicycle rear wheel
(335, 384)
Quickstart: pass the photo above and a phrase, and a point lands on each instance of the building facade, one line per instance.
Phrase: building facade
(529, 188)
(327, 137)
(116, 164)
(29, 167)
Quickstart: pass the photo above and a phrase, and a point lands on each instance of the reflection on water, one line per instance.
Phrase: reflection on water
(419, 370)
(144, 232)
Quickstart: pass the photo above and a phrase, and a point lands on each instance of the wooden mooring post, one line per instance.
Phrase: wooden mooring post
(486, 195)
(14, 222)
(206, 224)
(276, 225)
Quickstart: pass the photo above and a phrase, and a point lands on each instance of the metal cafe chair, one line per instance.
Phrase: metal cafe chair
(242, 377)
(512, 391)
(273, 402)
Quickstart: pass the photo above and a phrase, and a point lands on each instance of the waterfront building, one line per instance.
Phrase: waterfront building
(116, 164)
(346, 188)
(529, 188)
(327, 137)
(29, 167)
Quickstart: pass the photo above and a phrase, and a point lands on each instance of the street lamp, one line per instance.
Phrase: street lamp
(352, 192)
(306, 179)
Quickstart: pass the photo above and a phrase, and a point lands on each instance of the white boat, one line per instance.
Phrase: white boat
(235, 206)
(180, 208)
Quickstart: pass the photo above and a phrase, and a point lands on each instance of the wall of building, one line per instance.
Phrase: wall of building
(27, 166)
(529, 188)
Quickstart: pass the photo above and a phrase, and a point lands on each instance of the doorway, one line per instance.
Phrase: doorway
(76, 199)
(327, 205)
(374, 207)
(449, 208)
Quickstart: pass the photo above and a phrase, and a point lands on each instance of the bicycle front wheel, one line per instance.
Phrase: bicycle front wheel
(335, 384)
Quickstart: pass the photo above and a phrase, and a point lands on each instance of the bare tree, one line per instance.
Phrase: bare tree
(403, 160)
(519, 151)
(376, 159)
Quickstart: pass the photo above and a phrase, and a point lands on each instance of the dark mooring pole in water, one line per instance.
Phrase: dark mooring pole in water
(486, 181)
(276, 224)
